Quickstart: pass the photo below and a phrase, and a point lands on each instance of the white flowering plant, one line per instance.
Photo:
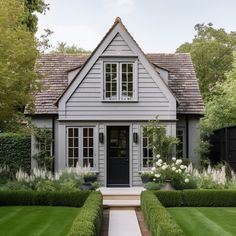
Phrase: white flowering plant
(174, 172)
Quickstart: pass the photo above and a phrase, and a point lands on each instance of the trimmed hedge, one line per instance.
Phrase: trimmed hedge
(88, 221)
(197, 198)
(23, 198)
(169, 198)
(209, 198)
(158, 219)
(15, 151)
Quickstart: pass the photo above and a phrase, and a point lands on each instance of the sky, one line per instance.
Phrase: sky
(156, 25)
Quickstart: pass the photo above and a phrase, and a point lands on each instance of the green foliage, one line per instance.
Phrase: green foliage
(89, 220)
(152, 186)
(24, 198)
(18, 54)
(43, 137)
(15, 151)
(159, 221)
(212, 54)
(62, 48)
(31, 7)
(209, 198)
(197, 198)
(171, 198)
(160, 142)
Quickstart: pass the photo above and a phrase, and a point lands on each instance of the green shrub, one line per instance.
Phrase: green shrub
(88, 221)
(72, 199)
(15, 151)
(152, 186)
(209, 198)
(169, 198)
(158, 219)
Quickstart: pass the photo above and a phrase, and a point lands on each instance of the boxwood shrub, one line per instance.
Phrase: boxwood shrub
(209, 198)
(88, 221)
(15, 151)
(169, 198)
(158, 219)
(71, 199)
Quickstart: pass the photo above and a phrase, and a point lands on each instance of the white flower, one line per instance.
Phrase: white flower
(179, 171)
(178, 161)
(154, 179)
(160, 161)
(157, 175)
(186, 180)
(153, 168)
(159, 164)
(182, 167)
(173, 158)
(173, 168)
(158, 156)
(164, 167)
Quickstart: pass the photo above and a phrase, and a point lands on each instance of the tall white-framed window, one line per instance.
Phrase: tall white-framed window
(120, 81)
(146, 151)
(81, 147)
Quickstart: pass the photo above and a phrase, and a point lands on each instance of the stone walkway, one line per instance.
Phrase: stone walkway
(123, 223)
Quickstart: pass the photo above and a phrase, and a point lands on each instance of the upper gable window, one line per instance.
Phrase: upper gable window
(119, 81)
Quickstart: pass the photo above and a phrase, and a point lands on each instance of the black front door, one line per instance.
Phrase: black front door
(117, 156)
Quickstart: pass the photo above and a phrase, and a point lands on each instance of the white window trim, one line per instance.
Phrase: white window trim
(80, 145)
(119, 61)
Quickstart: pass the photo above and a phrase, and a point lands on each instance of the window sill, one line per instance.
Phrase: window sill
(119, 101)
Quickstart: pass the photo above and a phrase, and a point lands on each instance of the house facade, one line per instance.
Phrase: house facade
(97, 105)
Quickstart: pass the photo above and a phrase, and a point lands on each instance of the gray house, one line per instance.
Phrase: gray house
(97, 106)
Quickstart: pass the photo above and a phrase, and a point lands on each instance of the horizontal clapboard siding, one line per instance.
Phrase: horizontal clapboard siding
(118, 47)
(86, 102)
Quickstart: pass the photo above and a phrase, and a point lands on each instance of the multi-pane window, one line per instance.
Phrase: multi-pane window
(127, 81)
(73, 146)
(147, 157)
(111, 81)
(119, 81)
(80, 146)
(88, 147)
(180, 145)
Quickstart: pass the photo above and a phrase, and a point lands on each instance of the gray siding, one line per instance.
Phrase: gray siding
(118, 46)
(86, 102)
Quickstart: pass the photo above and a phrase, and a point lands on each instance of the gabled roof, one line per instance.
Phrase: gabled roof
(117, 28)
(182, 80)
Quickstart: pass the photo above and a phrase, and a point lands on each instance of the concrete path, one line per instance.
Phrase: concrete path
(123, 223)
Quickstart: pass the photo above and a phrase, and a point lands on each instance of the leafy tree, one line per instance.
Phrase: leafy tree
(220, 108)
(62, 48)
(31, 7)
(18, 53)
(212, 55)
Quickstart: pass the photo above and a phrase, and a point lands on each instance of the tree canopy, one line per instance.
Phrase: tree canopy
(212, 54)
(63, 48)
(18, 54)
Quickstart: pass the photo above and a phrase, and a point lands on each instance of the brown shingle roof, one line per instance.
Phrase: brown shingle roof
(182, 80)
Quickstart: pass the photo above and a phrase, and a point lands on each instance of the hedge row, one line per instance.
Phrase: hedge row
(15, 151)
(23, 198)
(197, 198)
(158, 219)
(88, 221)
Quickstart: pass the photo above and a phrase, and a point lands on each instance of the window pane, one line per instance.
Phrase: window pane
(90, 152)
(108, 69)
(90, 132)
(85, 162)
(91, 162)
(123, 67)
(76, 152)
(76, 132)
(85, 152)
(71, 163)
(70, 154)
(70, 142)
(130, 87)
(85, 142)
(76, 142)
(70, 132)
(130, 77)
(130, 67)
(114, 67)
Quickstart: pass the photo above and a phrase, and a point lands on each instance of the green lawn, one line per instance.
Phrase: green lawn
(207, 221)
(36, 220)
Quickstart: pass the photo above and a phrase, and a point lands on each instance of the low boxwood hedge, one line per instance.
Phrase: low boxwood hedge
(209, 198)
(71, 199)
(88, 221)
(197, 198)
(158, 219)
(169, 198)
